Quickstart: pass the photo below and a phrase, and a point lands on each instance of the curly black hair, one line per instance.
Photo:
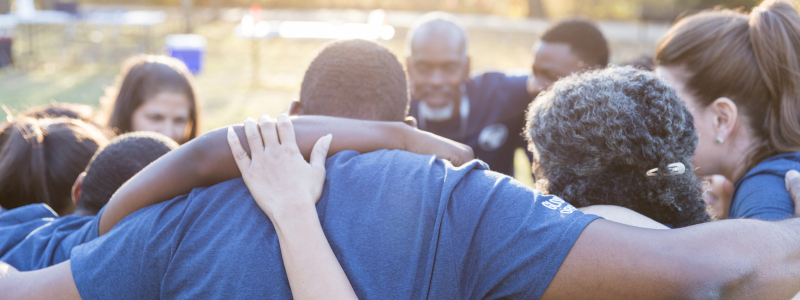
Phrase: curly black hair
(596, 134)
(123, 157)
(355, 79)
(583, 38)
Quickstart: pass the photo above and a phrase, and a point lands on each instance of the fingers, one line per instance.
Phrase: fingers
(286, 131)
(320, 152)
(268, 131)
(253, 137)
(239, 155)
(793, 186)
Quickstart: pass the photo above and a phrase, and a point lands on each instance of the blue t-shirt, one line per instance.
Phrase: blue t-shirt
(495, 121)
(761, 193)
(401, 225)
(33, 237)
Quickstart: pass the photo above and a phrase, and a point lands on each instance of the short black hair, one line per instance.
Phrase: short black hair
(355, 79)
(123, 157)
(583, 36)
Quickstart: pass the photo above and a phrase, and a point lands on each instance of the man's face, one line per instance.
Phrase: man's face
(436, 68)
(552, 61)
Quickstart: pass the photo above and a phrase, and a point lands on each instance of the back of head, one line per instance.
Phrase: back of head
(584, 39)
(81, 112)
(355, 79)
(597, 134)
(41, 159)
(142, 77)
(751, 59)
(123, 157)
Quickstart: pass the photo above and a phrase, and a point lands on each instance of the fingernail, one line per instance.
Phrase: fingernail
(263, 119)
(792, 174)
(250, 119)
(282, 118)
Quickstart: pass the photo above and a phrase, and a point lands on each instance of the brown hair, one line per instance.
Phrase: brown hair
(751, 59)
(41, 158)
(142, 77)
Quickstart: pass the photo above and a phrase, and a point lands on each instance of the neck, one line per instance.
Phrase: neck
(737, 156)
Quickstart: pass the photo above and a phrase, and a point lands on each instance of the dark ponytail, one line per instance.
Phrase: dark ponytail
(41, 158)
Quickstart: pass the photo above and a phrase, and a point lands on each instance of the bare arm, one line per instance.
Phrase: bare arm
(206, 160)
(622, 215)
(287, 188)
(54, 282)
(730, 259)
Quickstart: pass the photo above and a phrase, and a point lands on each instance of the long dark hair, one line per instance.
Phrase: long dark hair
(142, 77)
(41, 158)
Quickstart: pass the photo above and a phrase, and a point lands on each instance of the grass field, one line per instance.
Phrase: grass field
(229, 91)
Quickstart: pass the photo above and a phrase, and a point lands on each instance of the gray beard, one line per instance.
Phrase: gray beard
(436, 114)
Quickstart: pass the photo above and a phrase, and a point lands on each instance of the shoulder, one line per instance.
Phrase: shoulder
(762, 194)
(27, 213)
(777, 165)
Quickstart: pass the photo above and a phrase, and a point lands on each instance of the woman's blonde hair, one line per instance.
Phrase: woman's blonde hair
(751, 59)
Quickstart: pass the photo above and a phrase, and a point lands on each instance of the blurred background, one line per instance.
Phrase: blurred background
(250, 56)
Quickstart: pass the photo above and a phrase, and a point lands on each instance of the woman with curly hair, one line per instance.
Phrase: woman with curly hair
(739, 74)
(618, 136)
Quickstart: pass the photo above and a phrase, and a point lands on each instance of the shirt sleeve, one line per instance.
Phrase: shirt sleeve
(762, 197)
(509, 239)
(129, 261)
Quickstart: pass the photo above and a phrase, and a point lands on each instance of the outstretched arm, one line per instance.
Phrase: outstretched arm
(730, 259)
(287, 188)
(206, 160)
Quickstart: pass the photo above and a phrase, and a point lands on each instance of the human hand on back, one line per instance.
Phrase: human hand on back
(278, 177)
(793, 186)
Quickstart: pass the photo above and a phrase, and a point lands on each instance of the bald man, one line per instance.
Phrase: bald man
(485, 112)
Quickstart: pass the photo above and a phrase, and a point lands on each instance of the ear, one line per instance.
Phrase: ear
(726, 117)
(77, 188)
(296, 108)
(411, 121)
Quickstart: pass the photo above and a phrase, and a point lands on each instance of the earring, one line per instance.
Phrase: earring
(718, 140)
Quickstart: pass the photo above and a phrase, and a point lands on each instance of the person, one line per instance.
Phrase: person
(486, 111)
(717, 196)
(598, 136)
(41, 158)
(154, 93)
(34, 237)
(408, 226)
(567, 47)
(746, 112)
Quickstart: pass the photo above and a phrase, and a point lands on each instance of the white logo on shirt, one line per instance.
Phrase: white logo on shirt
(555, 203)
(492, 137)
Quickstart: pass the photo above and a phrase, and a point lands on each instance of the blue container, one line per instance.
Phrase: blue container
(188, 48)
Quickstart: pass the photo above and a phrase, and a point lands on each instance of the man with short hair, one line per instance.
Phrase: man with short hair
(567, 47)
(487, 111)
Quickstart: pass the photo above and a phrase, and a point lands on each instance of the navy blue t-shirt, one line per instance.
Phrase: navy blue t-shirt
(33, 237)
(401, 225)
(761, 193)
(495, 121)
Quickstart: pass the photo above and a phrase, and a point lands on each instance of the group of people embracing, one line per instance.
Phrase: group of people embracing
(346, 198)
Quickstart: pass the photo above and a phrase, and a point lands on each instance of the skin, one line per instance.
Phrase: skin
(438, 64)
(287, 189)
(718, 196)
(722, 118)
(166, 113)
(552, 61)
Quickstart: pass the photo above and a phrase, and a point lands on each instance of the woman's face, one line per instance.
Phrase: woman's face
(705, 155)
(166, 113)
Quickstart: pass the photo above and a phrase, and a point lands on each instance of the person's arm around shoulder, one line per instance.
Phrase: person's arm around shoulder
(287, 188)
(622, 215)
(206, 160)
